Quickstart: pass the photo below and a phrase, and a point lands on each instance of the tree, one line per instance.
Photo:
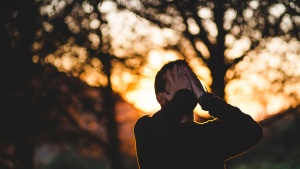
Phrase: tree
(38, 100)
(221, 33)
(78, 31)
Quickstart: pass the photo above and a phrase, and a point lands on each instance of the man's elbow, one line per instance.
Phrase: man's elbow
(261, 133)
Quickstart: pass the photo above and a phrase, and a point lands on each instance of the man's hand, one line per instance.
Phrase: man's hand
(195, 83)
(177, 78)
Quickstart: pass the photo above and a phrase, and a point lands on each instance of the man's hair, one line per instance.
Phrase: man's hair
(160, 82)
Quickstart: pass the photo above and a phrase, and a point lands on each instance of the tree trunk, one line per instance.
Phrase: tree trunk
(113, 145)
(217, 63)
(17, 69)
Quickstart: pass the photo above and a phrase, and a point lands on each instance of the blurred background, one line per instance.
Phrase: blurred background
(77, 74)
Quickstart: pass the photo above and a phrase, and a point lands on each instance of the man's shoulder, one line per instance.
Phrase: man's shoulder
(142, 118)
(141, 121)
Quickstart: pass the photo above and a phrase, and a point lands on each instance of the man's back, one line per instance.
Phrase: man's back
(189, 146)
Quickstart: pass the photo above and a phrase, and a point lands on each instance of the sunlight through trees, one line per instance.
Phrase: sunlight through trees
(79, 73)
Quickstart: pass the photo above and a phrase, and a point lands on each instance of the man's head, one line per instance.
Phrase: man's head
(161, 80)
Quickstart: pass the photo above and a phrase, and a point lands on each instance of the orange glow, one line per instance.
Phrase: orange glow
(268, 80)
(94, 77)
(35, 59)
(236, 47)
(73, 59)
(143, 96)
(253, 92)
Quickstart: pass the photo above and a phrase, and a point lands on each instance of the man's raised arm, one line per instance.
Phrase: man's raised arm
(237, 131)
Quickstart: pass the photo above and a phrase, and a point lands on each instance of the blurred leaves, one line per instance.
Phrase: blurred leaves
(226, 33)
(40, 104)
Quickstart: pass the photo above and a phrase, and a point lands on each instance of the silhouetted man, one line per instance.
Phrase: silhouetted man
(171, 139)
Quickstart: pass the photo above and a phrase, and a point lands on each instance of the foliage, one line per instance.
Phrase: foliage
(70, 158)
(222, 33)
(41, 104)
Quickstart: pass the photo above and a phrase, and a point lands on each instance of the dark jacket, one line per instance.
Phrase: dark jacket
(163, 142)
